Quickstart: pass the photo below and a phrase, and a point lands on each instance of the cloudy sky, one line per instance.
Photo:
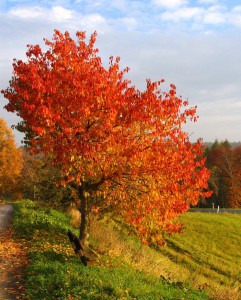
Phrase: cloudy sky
(195, 44)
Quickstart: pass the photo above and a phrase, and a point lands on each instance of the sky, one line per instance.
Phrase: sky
(194, 44)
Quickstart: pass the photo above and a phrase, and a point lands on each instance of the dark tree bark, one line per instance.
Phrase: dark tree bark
(85, 214)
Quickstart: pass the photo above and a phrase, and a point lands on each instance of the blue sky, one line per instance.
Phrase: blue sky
(194, 44)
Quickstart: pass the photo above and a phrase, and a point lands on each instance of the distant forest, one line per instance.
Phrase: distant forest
(232, 144)
(223, 159)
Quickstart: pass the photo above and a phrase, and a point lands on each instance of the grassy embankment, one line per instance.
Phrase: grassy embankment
(205, 256)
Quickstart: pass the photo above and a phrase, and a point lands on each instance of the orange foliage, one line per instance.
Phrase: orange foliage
(10, 160)
(124, 148)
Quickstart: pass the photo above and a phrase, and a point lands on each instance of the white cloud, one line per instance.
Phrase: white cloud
(237, 9)
(27, 12)
(60, 13)
(235, 16)
(215, 15)
(170, 4)
(182, 14)
(121, 5)
(236, 21)
(208, 1)
(214, 18)
(56, 13)
(129, 22)
(92, 22)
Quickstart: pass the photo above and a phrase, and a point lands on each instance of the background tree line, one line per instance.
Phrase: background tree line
(223, 159)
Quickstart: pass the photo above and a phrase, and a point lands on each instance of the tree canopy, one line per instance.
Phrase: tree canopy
(124, 149)
(10, 160)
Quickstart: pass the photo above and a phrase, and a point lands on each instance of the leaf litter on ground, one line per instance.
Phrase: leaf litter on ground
(13, 260)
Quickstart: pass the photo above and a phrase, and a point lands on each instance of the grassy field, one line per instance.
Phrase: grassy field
(209, 251)
(205, 257)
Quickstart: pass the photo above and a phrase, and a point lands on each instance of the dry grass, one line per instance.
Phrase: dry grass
(118, 244)
(199, 257)
(112, 241)
(74, 214)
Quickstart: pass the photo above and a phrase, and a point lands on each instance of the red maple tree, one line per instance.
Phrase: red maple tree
(121, 148)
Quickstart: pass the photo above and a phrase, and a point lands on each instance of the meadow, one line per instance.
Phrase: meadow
(202, 263)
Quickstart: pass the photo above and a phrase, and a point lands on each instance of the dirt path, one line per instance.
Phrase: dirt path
(12, 258)
(5, 215)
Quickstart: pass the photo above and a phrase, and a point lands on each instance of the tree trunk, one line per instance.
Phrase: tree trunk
(85, 214)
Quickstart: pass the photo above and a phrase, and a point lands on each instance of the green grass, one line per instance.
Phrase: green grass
(206, 255)
(55, 273)
(209, 248)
